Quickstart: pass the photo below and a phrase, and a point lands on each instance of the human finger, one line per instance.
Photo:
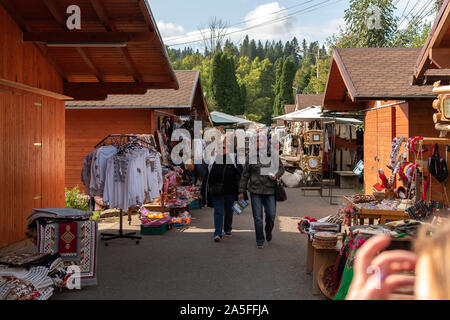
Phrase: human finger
(368, 252)
(395, 260)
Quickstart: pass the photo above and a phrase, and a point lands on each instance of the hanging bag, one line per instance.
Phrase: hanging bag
(280, 192)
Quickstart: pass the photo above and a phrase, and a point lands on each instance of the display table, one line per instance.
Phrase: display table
(382, 214)
(316, 258)
(346, 179)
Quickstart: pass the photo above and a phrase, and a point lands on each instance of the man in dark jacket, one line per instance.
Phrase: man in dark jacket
(261, 185)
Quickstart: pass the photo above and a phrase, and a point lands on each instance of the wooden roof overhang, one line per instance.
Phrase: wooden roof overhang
(339, 94)
(435, 53)
(118, 49)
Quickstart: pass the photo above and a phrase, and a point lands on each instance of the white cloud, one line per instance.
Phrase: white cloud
(259, 25)
(276, 18)
(169, 30)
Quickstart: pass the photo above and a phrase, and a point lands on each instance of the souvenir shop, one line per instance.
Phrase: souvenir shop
(316, 146)
(127, 172)
(413, 193)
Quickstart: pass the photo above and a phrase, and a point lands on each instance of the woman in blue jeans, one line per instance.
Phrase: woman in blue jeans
(262, 190)
(222, 191)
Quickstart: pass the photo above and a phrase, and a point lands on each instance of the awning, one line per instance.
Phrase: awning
(117, 50)
(221, 118)
(314, 113)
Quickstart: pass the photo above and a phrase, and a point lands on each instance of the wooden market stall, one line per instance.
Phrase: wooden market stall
(316, 147)
(42, 64)
(405, 161)
(87, 122)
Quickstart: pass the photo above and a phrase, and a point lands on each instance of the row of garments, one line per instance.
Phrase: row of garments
(124, 177)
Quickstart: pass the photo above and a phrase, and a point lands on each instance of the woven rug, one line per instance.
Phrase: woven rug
(76, 242)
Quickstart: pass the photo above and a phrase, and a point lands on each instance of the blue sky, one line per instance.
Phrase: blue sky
(180, 20)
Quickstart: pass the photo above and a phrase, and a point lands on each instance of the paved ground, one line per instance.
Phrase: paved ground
(187, 264)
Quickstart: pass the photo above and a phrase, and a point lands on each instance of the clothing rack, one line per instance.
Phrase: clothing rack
(121, 140)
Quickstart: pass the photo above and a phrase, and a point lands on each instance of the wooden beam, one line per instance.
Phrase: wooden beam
(110, 26)
(87, 37)
(440, 57)
(338, 105)
(24, 87)
(99, 91)
(119, 87)
(90, 64)
(62, 22)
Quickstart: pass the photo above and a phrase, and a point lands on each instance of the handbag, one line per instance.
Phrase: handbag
(217, 188)
(280, 193)
(437, 166)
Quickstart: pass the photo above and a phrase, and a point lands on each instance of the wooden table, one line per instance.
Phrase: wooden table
(372, 214)
(346, 179)
(315, 259)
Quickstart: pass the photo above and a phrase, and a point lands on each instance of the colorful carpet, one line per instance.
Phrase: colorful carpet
(76, 242)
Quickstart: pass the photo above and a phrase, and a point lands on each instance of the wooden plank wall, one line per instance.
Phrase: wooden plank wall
(85, 128)
(27, 171)
(32, 176)
(381, 126)
(24, 63)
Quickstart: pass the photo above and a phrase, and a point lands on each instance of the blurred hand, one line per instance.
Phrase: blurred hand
(375, 275)
(241, 196)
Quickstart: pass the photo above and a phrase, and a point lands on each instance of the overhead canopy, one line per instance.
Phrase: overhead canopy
(220, 118)
(315, 113)
(118, 49)
(435, 52)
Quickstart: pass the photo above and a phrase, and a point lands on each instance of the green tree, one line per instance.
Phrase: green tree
(286, 92)
(317, 83)
(277, 87)
(225, 88)
(245, 47)
(369, 23)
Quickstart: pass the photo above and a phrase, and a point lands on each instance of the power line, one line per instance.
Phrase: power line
(420, 14)
(306, 10)
(246, 21)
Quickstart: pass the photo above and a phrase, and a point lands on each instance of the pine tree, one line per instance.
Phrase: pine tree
(286, 92)
(225, 88)
(260, 51)
(252, 50)
(245, 47)
(277, 87)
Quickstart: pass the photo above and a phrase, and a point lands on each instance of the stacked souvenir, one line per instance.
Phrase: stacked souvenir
(324, 240)
(149, 218)
(31, 276)
(183, 220)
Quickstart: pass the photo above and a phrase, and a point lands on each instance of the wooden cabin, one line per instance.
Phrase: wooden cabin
(303, 101)
(378, 82)
(43, 64)
(88, 122)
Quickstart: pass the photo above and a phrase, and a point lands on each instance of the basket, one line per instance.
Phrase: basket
(154, 231)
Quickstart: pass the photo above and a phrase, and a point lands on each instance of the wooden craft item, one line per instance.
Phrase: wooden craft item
(313, 137)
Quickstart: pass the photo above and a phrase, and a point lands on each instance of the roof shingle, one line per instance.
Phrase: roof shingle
(307, 100)
(381, 72)
(154, 98)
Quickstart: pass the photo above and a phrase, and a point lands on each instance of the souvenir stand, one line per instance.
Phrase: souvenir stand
(107, 172)
(415, 194)
(317, 145)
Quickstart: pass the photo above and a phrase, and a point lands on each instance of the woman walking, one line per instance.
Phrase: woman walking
(262, 191)
(222, 190)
